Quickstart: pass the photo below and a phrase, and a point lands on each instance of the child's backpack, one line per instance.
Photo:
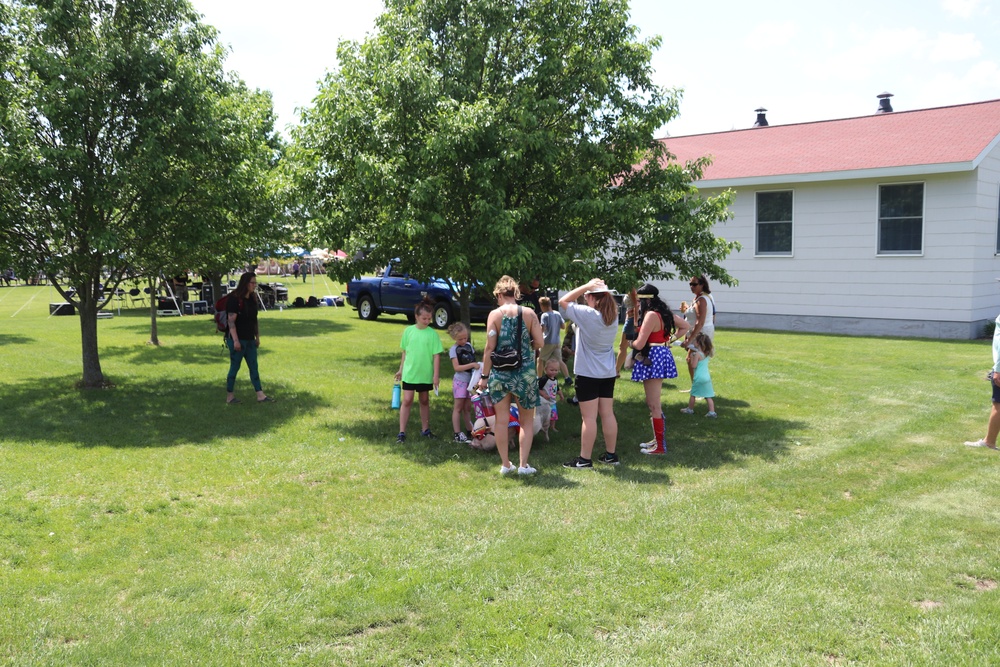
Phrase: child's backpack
(221, 316)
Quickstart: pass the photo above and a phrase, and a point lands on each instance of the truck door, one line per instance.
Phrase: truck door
(399, 292)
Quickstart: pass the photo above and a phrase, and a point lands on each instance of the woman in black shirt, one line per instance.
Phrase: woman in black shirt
(243, 336)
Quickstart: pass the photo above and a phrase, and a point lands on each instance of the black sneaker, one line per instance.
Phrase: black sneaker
(426, 433)
(401, 438)
(573, 400)
(568, 382)
(608, 458)
(579, 462)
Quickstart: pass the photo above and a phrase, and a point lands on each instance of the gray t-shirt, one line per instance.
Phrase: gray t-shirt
(595, 342)
(454, 353)
(551, 326)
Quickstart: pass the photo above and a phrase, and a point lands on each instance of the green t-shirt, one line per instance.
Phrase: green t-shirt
(420, 345)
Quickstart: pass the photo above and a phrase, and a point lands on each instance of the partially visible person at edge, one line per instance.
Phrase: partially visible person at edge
(243, 336)
(628, 329)
(653, 360)
(993, 426)
(419, 368)
(521, 384)
(594, 368)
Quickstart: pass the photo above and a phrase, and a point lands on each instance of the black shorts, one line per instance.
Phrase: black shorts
(996, 390)
(589, 389)
(419, 387)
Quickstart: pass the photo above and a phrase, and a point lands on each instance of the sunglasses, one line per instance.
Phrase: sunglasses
(694, 283)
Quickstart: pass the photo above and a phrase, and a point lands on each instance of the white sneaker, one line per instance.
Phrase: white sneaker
(711, 415)
(687, 411)
(506, 470)
(526, 470)
(648, 445)
(980, 443)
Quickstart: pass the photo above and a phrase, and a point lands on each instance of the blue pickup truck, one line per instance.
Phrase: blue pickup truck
(396, 293)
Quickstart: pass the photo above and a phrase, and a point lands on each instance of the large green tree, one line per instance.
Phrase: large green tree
(109, 119)
(473, 138)
(228, 211)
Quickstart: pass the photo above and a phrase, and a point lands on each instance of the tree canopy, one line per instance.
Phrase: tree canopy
(123, 143)
(482, 137)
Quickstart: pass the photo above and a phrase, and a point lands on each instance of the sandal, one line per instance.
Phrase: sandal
(266, 399)
(233, 400)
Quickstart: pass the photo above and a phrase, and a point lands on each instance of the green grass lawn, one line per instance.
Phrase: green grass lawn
(830, 516)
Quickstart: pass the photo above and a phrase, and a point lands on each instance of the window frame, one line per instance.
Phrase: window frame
(878, 220)
(757, 225)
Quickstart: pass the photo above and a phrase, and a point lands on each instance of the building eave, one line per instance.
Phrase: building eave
(908, 171)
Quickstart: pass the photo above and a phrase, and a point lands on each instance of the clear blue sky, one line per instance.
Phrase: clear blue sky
(802, 60)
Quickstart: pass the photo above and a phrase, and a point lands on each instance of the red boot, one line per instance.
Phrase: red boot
(661, 442)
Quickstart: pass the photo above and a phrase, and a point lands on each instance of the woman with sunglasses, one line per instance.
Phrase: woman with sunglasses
(704, 306)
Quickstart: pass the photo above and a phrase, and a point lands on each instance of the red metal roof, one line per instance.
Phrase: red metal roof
(944, 135)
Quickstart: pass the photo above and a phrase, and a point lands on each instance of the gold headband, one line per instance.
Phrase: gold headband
(645, 296)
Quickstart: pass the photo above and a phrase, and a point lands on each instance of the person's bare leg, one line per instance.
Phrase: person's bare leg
(588, 427)
(527, 418)
(609, 424)
(502, 411)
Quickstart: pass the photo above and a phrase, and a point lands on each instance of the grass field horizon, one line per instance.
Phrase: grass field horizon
(830, 516)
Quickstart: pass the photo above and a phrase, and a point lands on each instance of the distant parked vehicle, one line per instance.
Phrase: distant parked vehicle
(396, 293)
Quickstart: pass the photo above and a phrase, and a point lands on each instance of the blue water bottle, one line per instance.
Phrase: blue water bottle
(396, 396)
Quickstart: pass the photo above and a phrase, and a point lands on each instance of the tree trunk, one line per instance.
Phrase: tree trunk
(92, 375)
(215, 278)
(464, 311)
(154, 338)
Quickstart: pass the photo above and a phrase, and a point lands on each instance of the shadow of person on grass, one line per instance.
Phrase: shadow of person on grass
(693, 441)
(139, 414)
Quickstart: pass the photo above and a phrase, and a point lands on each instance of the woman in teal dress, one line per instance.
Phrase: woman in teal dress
(521, 383)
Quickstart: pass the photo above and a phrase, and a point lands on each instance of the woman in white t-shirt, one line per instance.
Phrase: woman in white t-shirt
(594, 367)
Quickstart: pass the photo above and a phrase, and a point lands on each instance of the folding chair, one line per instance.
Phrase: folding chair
(135, 295)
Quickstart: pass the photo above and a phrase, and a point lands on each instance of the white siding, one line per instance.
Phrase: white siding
(836, 281)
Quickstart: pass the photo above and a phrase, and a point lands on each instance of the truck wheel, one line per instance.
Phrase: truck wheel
(366, 308)
(442, 315)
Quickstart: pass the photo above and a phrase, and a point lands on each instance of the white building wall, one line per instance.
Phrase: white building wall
(835, 280)
(985, 290)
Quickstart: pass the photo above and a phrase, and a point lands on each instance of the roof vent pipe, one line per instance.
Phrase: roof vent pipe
(761, 120)
(883, 103)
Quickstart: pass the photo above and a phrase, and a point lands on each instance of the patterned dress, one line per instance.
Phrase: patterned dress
(522, 382)
(660, 355)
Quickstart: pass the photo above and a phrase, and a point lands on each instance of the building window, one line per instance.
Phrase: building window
(774, 223)
(900, 219)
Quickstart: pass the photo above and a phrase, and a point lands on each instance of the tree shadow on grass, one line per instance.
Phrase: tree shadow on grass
(274, 324)
(15, 339)
(138, 414)
(213, 352)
